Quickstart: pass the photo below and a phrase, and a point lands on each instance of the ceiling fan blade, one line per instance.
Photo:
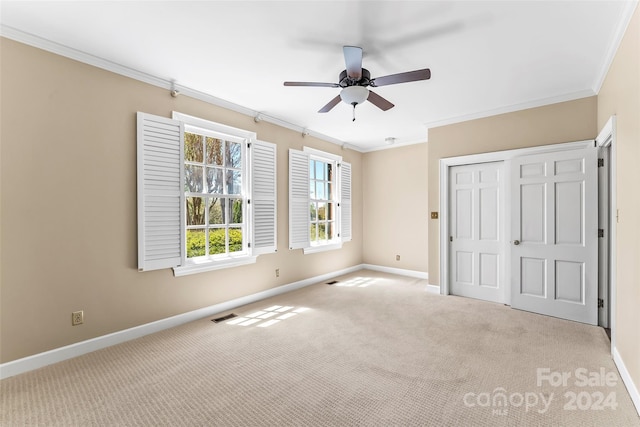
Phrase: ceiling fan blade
(409, 76)
(335, 101)
(353, 61)
(314, 84)
(379, 101)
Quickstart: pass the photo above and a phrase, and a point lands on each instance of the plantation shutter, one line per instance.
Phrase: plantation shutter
(299, 235)
(160, 194)
(345, 201)
(264, 200)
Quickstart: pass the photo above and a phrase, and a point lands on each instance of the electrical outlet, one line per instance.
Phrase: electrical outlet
(397, 257)
(77, 318)
(277, 272)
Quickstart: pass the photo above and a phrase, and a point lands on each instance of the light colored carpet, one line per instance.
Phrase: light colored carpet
(372, 350)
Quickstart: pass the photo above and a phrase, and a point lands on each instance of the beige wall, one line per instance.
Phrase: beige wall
(551, 124)
(395, 207)
(620, 95)
(68, 200)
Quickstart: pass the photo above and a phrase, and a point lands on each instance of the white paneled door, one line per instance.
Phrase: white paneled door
(476, 222)
(554, 232)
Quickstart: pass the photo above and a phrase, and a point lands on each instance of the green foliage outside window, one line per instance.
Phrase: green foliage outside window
(196, 243)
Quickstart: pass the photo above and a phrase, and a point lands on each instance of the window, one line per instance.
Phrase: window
(319, 200)
(323, 201)
(206, 195)
(216, 194)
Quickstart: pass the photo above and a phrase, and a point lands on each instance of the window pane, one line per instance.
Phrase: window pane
(320, 193)
(313, 211)
(235, 239)
(234, 155)
(195, 210)
(234, 182)
(322, 211)
(329, 191)
(217, 241)
(216, 211)
(214, 180)
(312, 190)
(322, 231)
(192, 147)
(214, 151)
(235, 214)
(193, 179)
(330, 211)
(330, 230)
(312, 169)
(320, 170)
(314, 236)
(196, 245)
(329, 172)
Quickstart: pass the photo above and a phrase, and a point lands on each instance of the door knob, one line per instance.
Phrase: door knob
(516, 242)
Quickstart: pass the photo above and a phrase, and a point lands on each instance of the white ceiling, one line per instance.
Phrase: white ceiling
(485, 57)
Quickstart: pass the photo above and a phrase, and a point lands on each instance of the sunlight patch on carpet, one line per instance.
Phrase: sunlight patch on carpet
(268, 316)
(358, 282)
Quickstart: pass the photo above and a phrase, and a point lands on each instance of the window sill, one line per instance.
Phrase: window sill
(204, 266)
(322, 248)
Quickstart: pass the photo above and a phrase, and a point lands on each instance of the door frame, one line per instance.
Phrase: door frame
(496, 156)
(607, 139)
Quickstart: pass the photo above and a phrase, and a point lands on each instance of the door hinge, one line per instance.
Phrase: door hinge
(249, 244)
(600, 303)
(600, 232)
(451, 238)
(600, 163)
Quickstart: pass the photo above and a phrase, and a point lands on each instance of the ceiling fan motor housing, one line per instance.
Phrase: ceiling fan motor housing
(346, 81)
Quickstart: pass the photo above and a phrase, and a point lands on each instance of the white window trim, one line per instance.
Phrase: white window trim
(336, 242)
(209, 263)
(322, 248)
(216, 127)
(322, 154)
(201, 266)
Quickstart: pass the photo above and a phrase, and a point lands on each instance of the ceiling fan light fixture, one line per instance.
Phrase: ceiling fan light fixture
(354, 95)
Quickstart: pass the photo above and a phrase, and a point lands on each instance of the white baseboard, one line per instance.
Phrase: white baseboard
(40, 360)
(398, 271)
(433, 289)
(626, 379)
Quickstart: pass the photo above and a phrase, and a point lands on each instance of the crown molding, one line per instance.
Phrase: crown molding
(87, 58)
(623, 24)
(512, 108)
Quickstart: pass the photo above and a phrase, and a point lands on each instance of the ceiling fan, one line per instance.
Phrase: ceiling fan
(355, 79)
